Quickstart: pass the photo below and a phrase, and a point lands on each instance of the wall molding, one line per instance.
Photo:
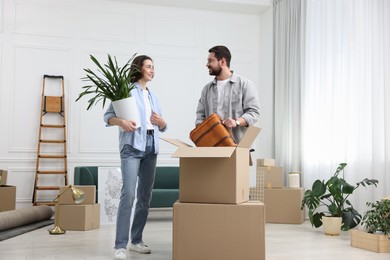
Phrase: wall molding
(110, 35)
(53, 32)
(14, 94)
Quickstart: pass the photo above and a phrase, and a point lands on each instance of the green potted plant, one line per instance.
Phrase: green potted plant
(111, 82)
(377, 218)
(376, 221)
(330, 199)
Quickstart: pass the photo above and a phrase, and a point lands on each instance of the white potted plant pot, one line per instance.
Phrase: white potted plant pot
(332, 225)
(127, 109)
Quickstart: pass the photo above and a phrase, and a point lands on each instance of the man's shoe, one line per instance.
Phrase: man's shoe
(120, 253)
(140, 248)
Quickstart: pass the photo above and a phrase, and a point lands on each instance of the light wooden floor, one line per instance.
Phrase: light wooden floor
(283, 241)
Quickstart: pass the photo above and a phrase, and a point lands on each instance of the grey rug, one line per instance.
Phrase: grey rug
(13, 232)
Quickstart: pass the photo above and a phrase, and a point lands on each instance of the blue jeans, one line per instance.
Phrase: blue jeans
(135, 165)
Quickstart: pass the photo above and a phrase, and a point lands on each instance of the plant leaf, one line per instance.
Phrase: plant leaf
(111, 82)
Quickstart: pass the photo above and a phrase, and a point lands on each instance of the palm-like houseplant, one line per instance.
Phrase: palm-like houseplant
(111, 82)
(330, 198)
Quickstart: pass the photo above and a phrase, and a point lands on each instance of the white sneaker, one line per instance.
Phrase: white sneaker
(140, 248)
(120, 253)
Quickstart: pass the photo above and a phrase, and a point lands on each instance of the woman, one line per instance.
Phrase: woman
(138, 145)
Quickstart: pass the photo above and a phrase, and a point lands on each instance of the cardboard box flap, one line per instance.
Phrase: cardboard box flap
(249, 137)
(176, 142)
(3, 177)
(204, 152)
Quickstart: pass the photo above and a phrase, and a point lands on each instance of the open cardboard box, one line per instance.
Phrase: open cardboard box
(215, 174)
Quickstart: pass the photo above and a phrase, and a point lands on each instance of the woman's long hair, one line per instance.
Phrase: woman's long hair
(136, 67)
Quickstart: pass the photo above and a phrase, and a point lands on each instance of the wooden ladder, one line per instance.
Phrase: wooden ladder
(52, 154)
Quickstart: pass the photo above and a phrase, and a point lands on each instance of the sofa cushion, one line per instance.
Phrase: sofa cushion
(166, 178)
(165, 190)
(163, 198)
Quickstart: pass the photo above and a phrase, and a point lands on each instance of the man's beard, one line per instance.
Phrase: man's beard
(216, 71)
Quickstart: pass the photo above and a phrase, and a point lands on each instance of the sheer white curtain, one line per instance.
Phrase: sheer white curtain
(332, 90)
(288, 46)
(345, 95)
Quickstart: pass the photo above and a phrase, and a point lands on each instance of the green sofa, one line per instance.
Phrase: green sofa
(165, 190)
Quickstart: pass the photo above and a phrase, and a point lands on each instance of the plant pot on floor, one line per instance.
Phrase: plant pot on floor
(373, 242)
(127, 109)
(332, 225)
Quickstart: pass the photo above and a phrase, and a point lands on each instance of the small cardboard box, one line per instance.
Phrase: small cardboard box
(78, 217)
(3, 177)
(66, 197)
(265, 162)
(283, 205)
(218, 231)
(215, 174)
(270, 176)
(372, 242)
(7, 198)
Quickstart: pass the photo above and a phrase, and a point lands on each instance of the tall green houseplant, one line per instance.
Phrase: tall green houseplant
(330, 198)
(111, 82)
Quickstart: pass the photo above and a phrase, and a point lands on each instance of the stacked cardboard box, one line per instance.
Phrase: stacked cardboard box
(283, 205)
(82, 216)
(213, 218)
(7, 193)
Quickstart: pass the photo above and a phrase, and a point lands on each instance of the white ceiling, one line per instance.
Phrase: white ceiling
(237, 6)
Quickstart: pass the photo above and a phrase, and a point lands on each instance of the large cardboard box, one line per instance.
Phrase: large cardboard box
(270, 176)
(215, 174)
(78, 217)
(218, 231)
(284, 205)
(66, 197)
(3, 177)
(372, 242)
(7, 198)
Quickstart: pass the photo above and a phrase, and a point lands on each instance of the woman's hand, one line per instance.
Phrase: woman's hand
(128, 125)
(155, 119)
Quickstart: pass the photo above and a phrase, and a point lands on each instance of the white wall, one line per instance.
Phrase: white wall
(55, 37)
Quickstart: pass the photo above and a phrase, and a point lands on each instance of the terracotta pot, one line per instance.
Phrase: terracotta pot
(332, 225)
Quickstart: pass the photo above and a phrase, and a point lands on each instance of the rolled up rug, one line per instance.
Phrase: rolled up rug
(20, 217)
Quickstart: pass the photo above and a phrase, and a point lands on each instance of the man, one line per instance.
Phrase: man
(232, 97)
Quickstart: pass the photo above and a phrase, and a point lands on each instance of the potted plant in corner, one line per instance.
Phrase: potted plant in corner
(329, 199)
(114, 83)
(376, 221)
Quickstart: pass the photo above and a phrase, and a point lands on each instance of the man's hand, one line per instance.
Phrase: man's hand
(230, 123)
